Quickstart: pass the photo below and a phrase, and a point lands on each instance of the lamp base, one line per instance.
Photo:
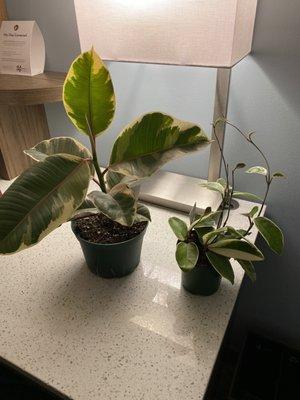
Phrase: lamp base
(178, 192)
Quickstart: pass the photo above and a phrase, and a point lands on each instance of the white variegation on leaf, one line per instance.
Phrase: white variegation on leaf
(203, 231)
(271, 233)
(237, 249)
(257, 170)
(59, 145)
(207, 220)
(222, 182)
(85, 212)
(142, 213)
(86, 208)
(246, 196)
(179, 227)
(151, 141)
(254, 210)
(119, 204)
(210, 236)
(215, 187)
(186, 255)
(41, 199)
(88, 94)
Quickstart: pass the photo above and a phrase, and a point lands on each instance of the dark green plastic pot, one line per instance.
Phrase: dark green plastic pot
(111, 260)
(203, 280)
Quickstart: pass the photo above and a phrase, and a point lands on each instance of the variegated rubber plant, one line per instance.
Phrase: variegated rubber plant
(54, 190)
(210, 232)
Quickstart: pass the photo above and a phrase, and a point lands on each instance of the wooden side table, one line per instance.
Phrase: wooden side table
(23, 121)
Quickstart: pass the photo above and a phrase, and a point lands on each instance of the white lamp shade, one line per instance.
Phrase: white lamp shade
(212, 33)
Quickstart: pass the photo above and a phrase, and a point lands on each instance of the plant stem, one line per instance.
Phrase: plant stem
(248, 138)
(95, 158)
(104, 171)
(268, 177)
(261, 208)
(226, 173)
(230, 197)
(96, 165)
(96, 181)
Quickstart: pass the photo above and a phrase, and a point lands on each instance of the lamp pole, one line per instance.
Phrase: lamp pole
(220, 110)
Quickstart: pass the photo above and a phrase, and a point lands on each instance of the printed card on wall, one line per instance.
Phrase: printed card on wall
(22, 48)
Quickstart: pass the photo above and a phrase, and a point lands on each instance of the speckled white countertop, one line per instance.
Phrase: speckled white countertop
(139, 337)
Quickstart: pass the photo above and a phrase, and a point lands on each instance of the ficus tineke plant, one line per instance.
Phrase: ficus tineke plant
(54, 190)
(210, 233)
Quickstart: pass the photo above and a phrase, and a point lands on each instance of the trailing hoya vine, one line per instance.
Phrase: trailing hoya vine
(209, 232)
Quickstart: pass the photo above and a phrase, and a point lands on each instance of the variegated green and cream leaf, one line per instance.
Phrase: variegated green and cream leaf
(41, 199)
(119, 204)
(246, 196)
(237, 249)
(142, 213)
(202, 231)
(59, 145)
(214, 186)
(271, 233)
(88, 94)
(248, 268)
(151, 141)
(222, 265)
(186, 255)
(86, 208)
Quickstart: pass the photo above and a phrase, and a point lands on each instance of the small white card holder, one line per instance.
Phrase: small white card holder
(22, 48)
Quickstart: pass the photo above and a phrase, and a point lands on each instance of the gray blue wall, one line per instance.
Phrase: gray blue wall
(265, 96)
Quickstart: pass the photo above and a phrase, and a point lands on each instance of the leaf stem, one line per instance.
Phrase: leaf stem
(268, 177)
(250, 140)
(230, 197)
(96, 181)
(226, 174)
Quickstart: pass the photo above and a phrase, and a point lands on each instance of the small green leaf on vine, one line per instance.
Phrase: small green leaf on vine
(240, 166)
(278, 174)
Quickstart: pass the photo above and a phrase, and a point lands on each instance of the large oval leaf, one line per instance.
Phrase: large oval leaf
(248, 268)
(142, 213)
(59, 145)
(41, 199)
(221, 265)
(186, 255)
(88, 94)
(211, 236)
(271, 233)
(246, 196)
(207, 219)
(214, 186)
(179, 227)
(119, 204)
(151, 141)
(237, 249)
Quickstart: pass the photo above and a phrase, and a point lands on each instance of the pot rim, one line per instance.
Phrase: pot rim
(107, 244)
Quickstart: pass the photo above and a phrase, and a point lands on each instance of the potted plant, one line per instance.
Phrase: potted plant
(207, 246)
(110, 222)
